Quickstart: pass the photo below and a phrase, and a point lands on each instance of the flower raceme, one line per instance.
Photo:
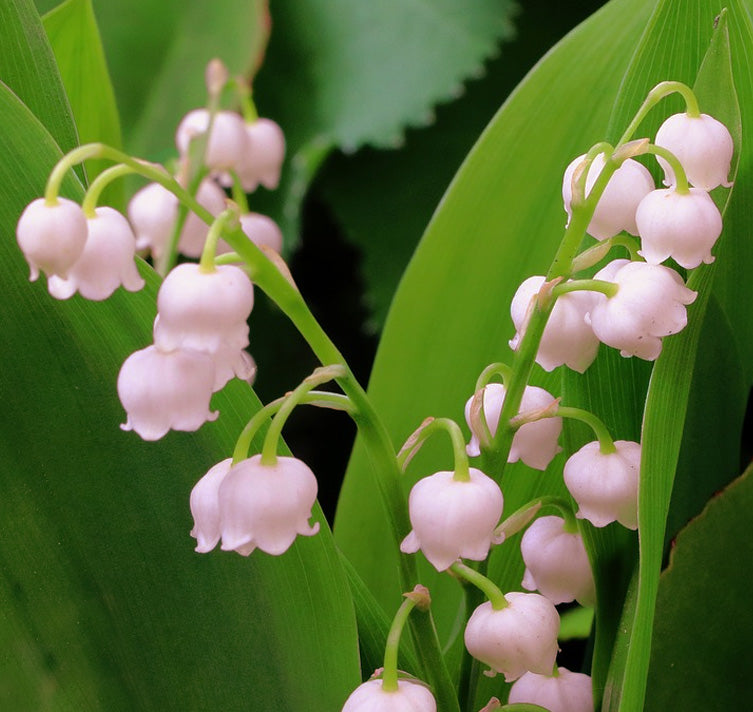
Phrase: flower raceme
(534, 443)
(252, 505)
(453, 518)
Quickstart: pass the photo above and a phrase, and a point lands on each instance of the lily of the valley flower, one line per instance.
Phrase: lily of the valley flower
(51, 236)
(106, 263)
(227, 143)
(605, 485)
(453, 518)
(372, 697)
(649, 304)
(166, 390)
(517, 638)
(564, 692)
(703, 146)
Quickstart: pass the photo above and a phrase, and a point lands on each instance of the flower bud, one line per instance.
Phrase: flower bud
(106, 262)
(683, 226)
(534, 443)
(649, 304)
(517, 638)
(703, 146)
(52, 237)
(615, 211)
(166, 390)
(567, 338)
(266, 506)
(605, 485)
(557, 563)
(565, 692)
(452, 518)
(372, 697)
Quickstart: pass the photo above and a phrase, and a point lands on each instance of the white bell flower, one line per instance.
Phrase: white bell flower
(565, 692)
(557, 563)
(703, 146)
(262, 231)
(517, 638)
(262, 161)
(205, 507)
(266, 506)
(207, 312)
(615, 211)
(372, 697)
(534, 443)
(106, 263)
(683, 226)
(567, 338)
(166, 390)
(452, 518)
(52, 237)
(227, 143)
(605, 485)
(194, 233)
(649, 304)
(152, 212)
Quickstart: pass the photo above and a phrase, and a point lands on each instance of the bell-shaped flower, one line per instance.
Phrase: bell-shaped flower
(205, 507)
(564, 692)
(194, 233)
(262, 231)
(372, 697)
(567, 338)
(106, 263)
(649, 304)
(208, 312)
(557, 563)
(615, 211)
(266, 506)
(152, 212)
(453, 518)
(534, 443)
(227, 143)
(166, 390)
(703, 146)
(52, 237)
(262, 161)
(605, 485)
(515, 639)
(683, 226)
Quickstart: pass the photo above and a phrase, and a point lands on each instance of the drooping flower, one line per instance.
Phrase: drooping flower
(534, 443)
(152, 212)
(262, 161)
(517, 638)
(615, 211)
(205, 507)
(649, 304)
(106, 263)
(266, 506)
(372, 697)
(605, 485)
(207, 312)
(683, 226)
(51, 236)
(703, 146)
(556, 562)
(452, 518)
(227, 143)
(194, 233)
(166, 390)
(564, 692)
(567, 338)
(262, 231)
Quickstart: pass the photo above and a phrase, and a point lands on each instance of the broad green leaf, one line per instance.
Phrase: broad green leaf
(27, 67)
(701, 655)
(72, 30)
(103, 603)
(499, 222)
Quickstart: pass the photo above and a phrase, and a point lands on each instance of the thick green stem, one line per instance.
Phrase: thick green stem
(481, 582)
(389, 675)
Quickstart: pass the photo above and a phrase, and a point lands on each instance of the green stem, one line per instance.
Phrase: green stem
(681, 178)
(523, 516)
(91, 199)
(225, 218)
(606, 443)
(389, 674)
(493, 369)
(417, 439)
(586, 285)
(492, 592)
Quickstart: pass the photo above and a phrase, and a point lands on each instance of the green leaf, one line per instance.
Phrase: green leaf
(72, 30)
(103, 603)
(499, 222)
(27, 67)
(701, 656)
